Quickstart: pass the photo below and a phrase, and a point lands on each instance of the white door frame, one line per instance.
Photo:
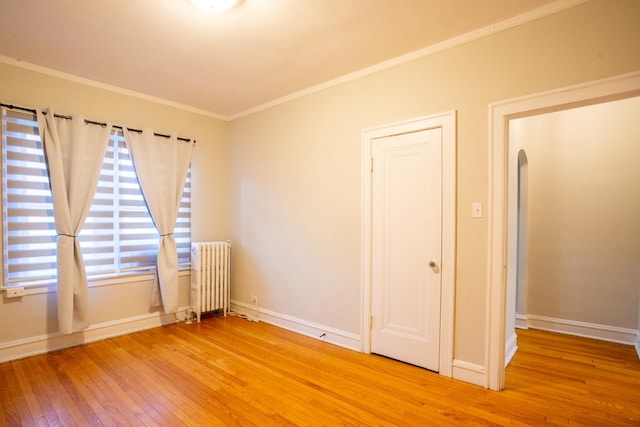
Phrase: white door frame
(595, 92)
(447, 122)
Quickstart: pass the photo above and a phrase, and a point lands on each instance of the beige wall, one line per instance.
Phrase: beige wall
(34, 316)
(584, 212)
(295, 168)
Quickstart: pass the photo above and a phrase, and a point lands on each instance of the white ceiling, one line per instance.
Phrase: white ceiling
(229, 63)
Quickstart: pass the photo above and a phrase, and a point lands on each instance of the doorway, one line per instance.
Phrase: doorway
(522, 236)
(584, 206)
(500, 264)
(423, 139)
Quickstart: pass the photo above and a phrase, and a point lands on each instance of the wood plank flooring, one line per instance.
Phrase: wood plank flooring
(228, 371)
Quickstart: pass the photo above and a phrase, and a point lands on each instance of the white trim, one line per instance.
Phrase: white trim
(314, 330)
(583, 329)
(21, 348)
(99, 85)
(468, 372)
(638, 344)
(510, 349)
(617, 87)
(521, 321)
(447, 122)
(541, 12)
(44, 288)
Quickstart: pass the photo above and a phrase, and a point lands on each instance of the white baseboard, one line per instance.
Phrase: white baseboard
(468, 372)
(510, 350)
(522, 321)
(301, 326)
(582, 329)
(638, 344)
(41, 344)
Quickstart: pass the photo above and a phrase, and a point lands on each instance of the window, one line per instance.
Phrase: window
(118, 236)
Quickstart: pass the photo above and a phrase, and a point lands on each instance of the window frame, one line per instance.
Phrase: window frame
(118, 275)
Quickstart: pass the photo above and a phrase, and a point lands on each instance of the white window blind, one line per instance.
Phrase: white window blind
(118, 236)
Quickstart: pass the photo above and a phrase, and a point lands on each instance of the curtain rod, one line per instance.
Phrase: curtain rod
(31, 110)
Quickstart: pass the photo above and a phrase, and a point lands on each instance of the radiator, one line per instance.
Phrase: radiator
(210, 277)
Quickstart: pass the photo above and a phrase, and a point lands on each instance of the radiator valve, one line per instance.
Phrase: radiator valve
(189, 315)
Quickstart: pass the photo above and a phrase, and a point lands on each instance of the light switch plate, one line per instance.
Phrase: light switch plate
(476, 210)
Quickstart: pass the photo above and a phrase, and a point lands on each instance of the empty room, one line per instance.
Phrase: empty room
(207, 220)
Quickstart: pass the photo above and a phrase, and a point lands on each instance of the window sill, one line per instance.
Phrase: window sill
(45, 288)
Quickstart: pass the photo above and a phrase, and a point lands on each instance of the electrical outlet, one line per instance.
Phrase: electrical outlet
(254, 299)
(14, 292)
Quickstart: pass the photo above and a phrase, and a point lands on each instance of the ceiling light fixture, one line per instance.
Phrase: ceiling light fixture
(214, 6)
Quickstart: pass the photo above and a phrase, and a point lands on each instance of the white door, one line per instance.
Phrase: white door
(407, 247)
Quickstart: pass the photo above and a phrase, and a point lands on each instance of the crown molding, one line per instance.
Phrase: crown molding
(541, 12)
(99, 85)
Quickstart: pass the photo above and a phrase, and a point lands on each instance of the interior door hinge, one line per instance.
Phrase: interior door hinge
(371, 322)
(372, 165)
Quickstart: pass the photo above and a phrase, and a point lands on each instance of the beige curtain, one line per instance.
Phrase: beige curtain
(74, 151)
(161, 165)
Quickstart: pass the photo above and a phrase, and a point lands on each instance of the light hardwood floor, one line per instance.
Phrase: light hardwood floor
(228, 371)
